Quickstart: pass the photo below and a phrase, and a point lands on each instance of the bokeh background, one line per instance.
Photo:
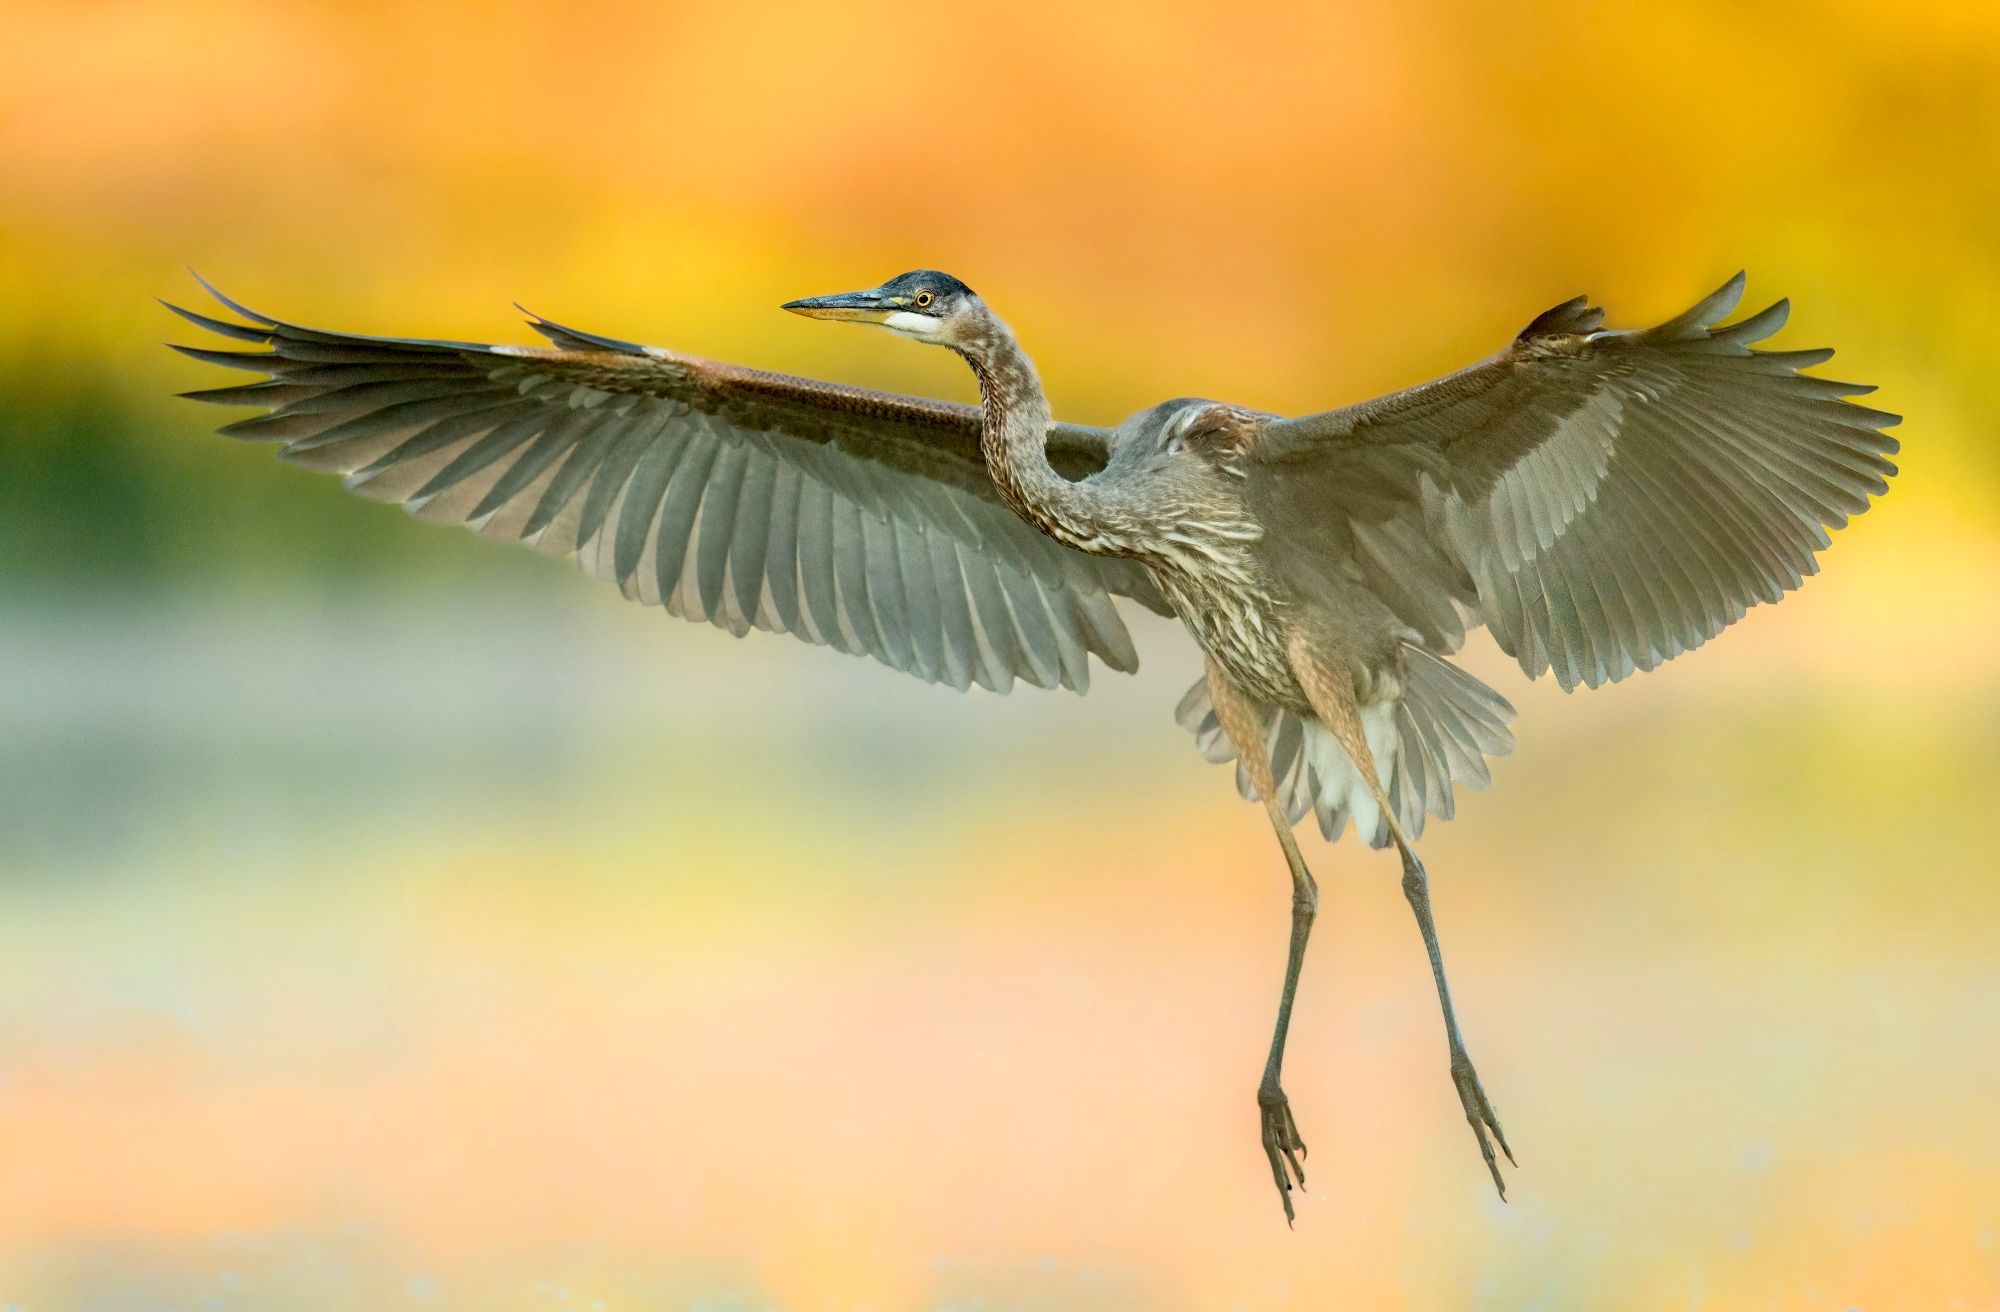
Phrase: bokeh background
(389, 920)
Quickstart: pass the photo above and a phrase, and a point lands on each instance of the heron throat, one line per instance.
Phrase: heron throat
(1013, 437)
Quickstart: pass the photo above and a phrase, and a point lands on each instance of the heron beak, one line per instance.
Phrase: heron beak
(849, 307)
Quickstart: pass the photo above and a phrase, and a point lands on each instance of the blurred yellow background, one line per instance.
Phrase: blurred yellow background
(388, 920)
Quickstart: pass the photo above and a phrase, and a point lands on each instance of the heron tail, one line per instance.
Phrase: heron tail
(1439, 732)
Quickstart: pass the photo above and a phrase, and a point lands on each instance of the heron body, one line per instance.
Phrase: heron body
(1601, 501)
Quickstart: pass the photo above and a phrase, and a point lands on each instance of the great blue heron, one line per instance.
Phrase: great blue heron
(1601, 500)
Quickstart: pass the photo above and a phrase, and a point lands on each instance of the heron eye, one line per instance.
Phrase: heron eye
(923, 299)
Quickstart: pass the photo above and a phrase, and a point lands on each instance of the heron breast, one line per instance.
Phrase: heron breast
(1239, 625)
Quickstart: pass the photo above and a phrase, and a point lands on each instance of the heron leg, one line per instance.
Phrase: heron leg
(1472, 1097)
(1283, 1148)
(1334, 702)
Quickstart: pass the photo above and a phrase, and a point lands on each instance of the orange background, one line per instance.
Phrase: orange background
(388, 920)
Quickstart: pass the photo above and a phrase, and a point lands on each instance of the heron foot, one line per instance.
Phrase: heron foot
(1282, 1146)
(1480, 1115)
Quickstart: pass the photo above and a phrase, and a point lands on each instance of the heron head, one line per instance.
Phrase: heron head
(925, 305)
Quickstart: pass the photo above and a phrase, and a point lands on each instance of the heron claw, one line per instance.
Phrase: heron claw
(1282, 1146)
(1480, 1115)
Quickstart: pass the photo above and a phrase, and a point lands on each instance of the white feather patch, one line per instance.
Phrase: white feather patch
(1340, 784)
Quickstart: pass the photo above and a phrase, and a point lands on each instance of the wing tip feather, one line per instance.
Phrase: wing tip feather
(1693, 323)
(235, 306)
(575, 339)
(1575, 315)
(256, 361)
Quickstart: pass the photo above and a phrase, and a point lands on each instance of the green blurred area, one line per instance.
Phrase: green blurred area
(111, 491)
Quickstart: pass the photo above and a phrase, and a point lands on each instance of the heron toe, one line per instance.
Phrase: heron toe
(1282, 1146)
(1480, 1115)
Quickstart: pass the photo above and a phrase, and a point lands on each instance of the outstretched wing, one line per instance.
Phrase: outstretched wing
(1603, 500)
(860, 520)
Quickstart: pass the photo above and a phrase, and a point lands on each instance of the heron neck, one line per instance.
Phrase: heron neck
(1014, 429)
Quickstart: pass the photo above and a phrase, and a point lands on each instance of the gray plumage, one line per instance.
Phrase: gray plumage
(1601, 501)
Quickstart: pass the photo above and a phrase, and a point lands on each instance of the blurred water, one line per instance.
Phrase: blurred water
(534, 951)
(234, 718)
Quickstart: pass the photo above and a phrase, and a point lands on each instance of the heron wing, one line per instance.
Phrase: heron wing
(855, 519)
(1602, 500)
